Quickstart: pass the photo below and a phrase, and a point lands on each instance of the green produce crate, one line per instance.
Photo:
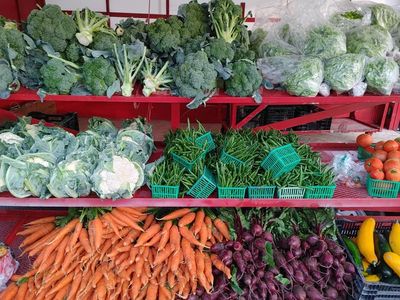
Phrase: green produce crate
(185, 163)
(164, 191)
(281, 160)
(231, 192)
(291, 193)
(204, 186)
(227, 158)
(362, 154)
(320, 192)
(382, 188)
(261, 192)
(207, 141)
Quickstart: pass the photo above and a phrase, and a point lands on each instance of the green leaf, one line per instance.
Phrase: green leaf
(22, 280)
(245, 221)
(268, 258)
(234, 284)
(282, 279)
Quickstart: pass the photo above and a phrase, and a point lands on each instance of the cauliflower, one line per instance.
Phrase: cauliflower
(98, 75)
(245, 80)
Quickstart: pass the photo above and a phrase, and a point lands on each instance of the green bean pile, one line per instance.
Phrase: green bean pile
(231, 175)
(167, 173)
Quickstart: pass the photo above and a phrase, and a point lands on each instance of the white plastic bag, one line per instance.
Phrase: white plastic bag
(8, 266)
(348, 170)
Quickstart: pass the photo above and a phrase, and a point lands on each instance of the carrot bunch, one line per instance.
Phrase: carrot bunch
(123, 254)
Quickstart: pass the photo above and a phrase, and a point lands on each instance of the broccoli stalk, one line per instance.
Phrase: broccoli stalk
(89, 23)
(154, 79)
(128, 66)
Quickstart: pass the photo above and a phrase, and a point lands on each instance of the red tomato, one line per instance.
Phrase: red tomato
(364, 140)
(377, 174)
(394, 155)
(380, 154)
(390, 146)
(379, 145)
(391, 164)
(373, 163)
(393, 174)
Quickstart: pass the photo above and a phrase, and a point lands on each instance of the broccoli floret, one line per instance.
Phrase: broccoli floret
(98, 75)
(243, 52)
(12, 39)
(51, 25)
(164, 36)
(57, 78)
(30, 77)
(195, 78)
(195, 19)
(245, 79)
(73, 52)
(130, 30)
(220, 50)
(195, 44)
(6, 78)
(103, 41)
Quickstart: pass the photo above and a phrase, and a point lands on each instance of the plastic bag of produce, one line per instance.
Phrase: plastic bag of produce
(372, 40)
(381, 74)
(385, 16)
(275, 69)
(8, 265)
(347, 15)
(344, 72)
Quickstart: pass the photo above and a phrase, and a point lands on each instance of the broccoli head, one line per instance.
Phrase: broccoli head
(195, 78)
(12, 39)
(73, 52)
(50, 24)
(195, 44)
(164, 36)
(195, 19)
(57, 78)
(6, 78)
(129, 30)
(245, 79)
(243, 52)
(103, 41)
(220, 50)
(98, 75)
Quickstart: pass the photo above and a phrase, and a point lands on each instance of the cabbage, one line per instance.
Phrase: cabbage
(385, 16)
(343, 72)
(381, 74)
(306, 78)
(103, 127)
(371, 40)
(325, 42)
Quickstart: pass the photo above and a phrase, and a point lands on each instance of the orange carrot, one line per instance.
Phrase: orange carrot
(42, 221)
(187, 219)
(10, 292)
(171, 279)
(148, 221)
(176, 214)
(74, 285)
(22, 290)
(189, 256)
(126, 219)
(65, 230)
(148, 234)
(176, 259)
(198, 221)
(74, 236)
(101, 291)
(84, 240)
(164, 235)
(131, 236)
(61, 251)
(98, 232)
(155, 239)
(217, 235)
(203, 235)
(47, 262)
(152, 291)
(131, 211)
(132, 254)
(163, 255)
(220, 265)
(208, 222)
(208, 269)
(135, 288)
(41, 232)
(223, 228)
(188, 235)
(113, 225)
(38, 246)
(175, 237)
(35, 228)
(61, 293)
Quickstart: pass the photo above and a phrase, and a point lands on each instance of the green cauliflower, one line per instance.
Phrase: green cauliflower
(195, 19)
(385, 16)
(6, 78)
(12, 39)
(195, 78)
(164, 36)
(57, 77)
(325, 42)
(245, 80)
(104, 41)
(50, 24)
(98, 75)
(130, 29)
(372, 41)
(381, 73)
(220, 50)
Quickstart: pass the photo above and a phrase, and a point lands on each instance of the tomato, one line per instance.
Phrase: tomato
(380, 154)
(364, 140)
(377, 174)
(394, 155)
(390, 146)
(373, 163)
(369, 149)
(391, 164)
(379, 145)
(393, 174)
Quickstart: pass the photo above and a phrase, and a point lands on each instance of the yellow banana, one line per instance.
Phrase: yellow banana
(393, 261)
(365, 241)
(394, 238)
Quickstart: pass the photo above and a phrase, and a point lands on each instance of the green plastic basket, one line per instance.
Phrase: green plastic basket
(207, 141)
(231, 192)
(164, 191)
(320, 192)
(281, 160)
(184, 162)
(363, 154)
(261, 192)
(382, 188)
(204, 186)
(227, 158)
(291, 193)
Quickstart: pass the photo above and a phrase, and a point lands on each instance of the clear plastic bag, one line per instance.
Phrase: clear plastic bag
(381, 74)
(348, 15)
(275, 69)
(348, 170)
(8, 265)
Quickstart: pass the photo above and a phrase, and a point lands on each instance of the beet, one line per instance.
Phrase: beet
(299, 293)
(247, 237)
(290, 256)
(313, 293)
(225, 255)
(260, 265)
(229, 244)
(297, 253)
(305, 246)
(246, 254)
(294, 242)
(237, 246)
(268, 236)
(269, 276)
(237, 257)
(349, 267)
(193, 297)
(311, 263)
(289, 296)
(256, 230)
(334, 248)
(299, 277)
(260, 273)
(284, 244)
(218, 247)
(326, 259)
(272, 287)
(259, 243)
(274, 271)
(339, 273)
(312, 240)
(247, 279)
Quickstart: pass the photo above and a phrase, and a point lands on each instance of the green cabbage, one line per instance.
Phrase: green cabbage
(371, 40)
(385, 16)
(325, 42)
(381, 74)
(343, 72)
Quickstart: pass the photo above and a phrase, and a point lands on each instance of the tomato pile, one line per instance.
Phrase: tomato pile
(385, 161)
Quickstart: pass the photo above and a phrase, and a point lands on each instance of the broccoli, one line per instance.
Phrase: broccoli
(220, 50)
(89, 23)
(195, 78)
(130, 30)
(73, 52)
(6, 79)
(195, 44)
(31, 77)
(128, 61)
(154, 79)
(256, 39)
(98, 75)
(12, 39)
(242, 51)
(227, 20)
(51, 25)
(164, 36)
(58, 78)
(195, 19)
(104, 41)
(245, 80)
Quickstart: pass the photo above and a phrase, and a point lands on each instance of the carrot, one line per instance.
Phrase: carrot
(131, 236)
(74, 237)
(148, 234)
(220, 265)
(198, 221)
(152, 291)
(165, 234)
(154, 240)
(42, 221)
(74, 285)
(203, 235)
(187, 219)
(163, 255)
(38, 246)
(132, 254)
(188, 235)
(217, 235)
(171, 279)
(84, 240)
(65, 230)
(10, 292)
(126, 219)
(223, 228)
(62, 283)
(123, 256)
(135, 288)
(185, 292)
(176, 214)
(61, 293)
(22, 290)
(124, 248)
(113, 225)
(176, 259)
(208, 222)
(163, 293)
(139, 267)
(208, 269)
(143, 278)
(142, 294)
(189, 256)
(41, 232)
(47, 262)
(175, 237)
(61, 251)
(130, 211)
(101, 291)
(69, 257)
(98, 232)
(148, 221)
(106, 246)
(16, 277)
(35, 228)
